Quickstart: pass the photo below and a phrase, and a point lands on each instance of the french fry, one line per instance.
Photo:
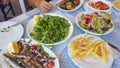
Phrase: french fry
(83, 37)
(97, 52)
(97, 42)
(73, 44)
(95, 55)
(103, 54)
(83, 55)
(89, 52)
(108, 52)
(74, 53)
(89, 38)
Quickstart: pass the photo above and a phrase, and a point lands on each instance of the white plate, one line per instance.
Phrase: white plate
(77, 19)
(89, 62)
(96, 10)
(77, 7)
(4, 65)
(14, 34)
(30, 29)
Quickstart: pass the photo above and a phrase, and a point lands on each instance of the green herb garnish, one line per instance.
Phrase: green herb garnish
(7, 29)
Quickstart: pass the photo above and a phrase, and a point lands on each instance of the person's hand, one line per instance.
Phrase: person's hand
(4, 2)
(43, 5)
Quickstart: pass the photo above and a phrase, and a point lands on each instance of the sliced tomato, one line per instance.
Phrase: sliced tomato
(88, 18)
(33, 47)
(50, 64)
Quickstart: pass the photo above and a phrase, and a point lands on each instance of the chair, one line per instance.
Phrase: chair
(22, 5)
(5, 12)
(25, 6)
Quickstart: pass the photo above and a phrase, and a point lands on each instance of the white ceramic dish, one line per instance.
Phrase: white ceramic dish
(4, 65)
(77, 19)
(14, 33)
(30, 29)
(77, 7)
(96, 10)
(89, 62)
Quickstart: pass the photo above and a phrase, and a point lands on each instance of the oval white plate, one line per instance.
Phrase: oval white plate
(89, 62)
(96, 10)
(14, 34)
(3, 63)
(81, 3)
(30, 29)
(77, 19)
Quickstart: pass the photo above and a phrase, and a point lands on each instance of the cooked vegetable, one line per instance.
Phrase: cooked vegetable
(96, 22)
(50, 29)
(69, 4)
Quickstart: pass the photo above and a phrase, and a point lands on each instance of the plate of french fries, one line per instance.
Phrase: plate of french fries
(89, 51)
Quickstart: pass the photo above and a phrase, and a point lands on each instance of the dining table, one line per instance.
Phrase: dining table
(61, 50)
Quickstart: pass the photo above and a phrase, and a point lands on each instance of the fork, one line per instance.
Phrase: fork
(7, 29)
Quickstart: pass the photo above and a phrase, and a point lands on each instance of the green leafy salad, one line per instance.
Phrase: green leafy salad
(96, 22)
(50, 29)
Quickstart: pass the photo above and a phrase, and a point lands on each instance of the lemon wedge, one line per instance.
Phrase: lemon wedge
(13, 47)
(36, 19)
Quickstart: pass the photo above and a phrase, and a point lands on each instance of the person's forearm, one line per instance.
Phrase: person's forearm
(43, 5)
(33, 3)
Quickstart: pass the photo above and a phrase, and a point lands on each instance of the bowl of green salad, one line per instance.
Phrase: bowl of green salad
(49, 29)
(97, 23)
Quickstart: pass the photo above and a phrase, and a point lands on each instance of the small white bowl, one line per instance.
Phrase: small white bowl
(81, 3)
(109, 10)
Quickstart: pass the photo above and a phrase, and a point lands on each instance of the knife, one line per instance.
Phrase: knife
(114, 47)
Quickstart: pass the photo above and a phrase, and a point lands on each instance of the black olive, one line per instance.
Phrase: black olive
(108, 21)
(104, 28)
(90, 28)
